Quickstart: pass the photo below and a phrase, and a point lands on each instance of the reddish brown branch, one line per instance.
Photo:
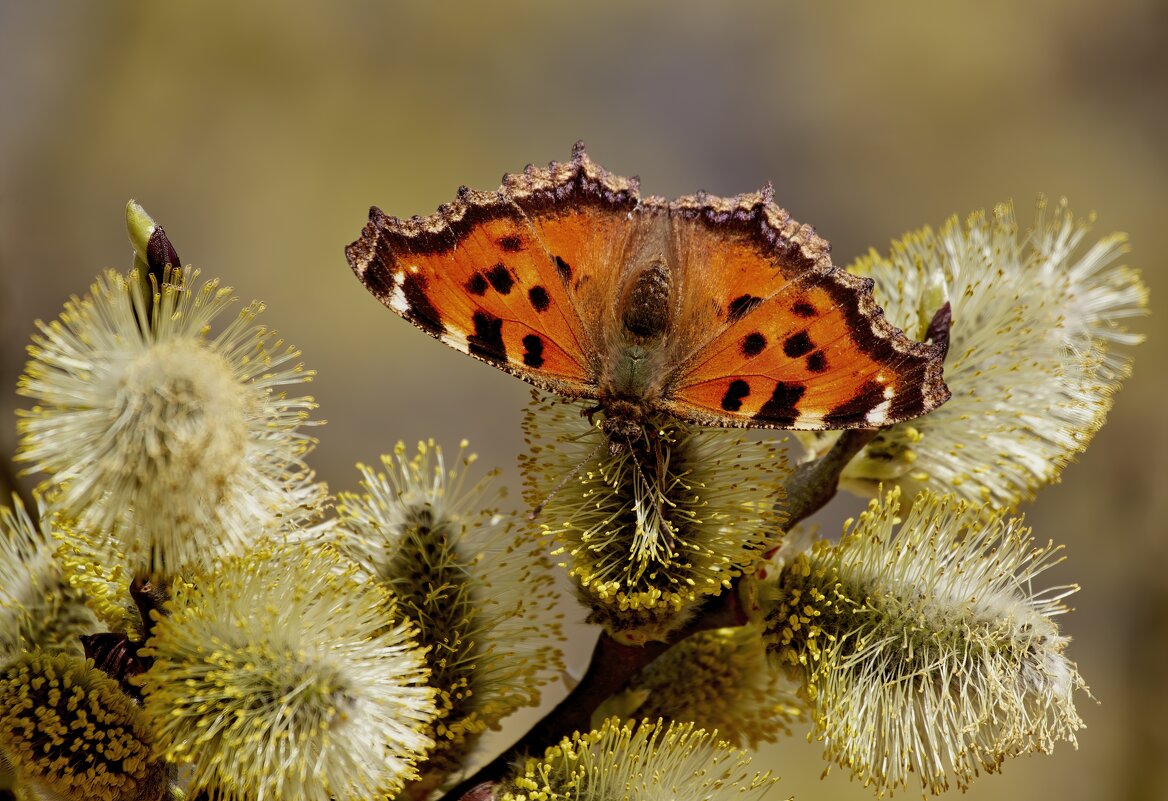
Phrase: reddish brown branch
(611, 667)
(813, 484)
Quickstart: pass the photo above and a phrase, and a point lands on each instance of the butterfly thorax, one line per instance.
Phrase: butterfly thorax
(632, 383)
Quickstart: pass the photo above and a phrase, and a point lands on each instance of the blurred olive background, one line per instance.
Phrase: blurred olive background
(259, 134)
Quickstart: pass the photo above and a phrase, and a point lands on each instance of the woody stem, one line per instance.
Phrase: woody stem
(813, 484)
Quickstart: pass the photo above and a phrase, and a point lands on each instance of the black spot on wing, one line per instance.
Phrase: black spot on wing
(500, 279)
(420, 310)
(539, 298)
(732, 400)
(868, 397)
(780, 408)
(533, 351)
(564, 269)
(804, 309)
(741, 305)
(798, 345)
(817, 362)
(487, 340)
(753, 344)
(477, 284)
(511, 244)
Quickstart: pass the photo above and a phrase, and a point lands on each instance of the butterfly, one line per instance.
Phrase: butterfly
(718, 311)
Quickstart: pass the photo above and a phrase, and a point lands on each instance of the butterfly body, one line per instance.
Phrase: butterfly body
(720, 311)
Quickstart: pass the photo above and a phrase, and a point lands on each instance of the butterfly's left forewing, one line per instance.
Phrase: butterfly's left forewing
(772, 335)
(475, 276)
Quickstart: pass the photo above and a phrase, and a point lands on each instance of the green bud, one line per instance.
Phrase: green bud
(140, 226)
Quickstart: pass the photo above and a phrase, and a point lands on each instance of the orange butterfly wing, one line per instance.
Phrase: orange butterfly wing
(508, 276)
(791, 341)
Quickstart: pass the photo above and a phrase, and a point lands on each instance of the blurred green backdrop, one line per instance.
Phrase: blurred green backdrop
(258, 135)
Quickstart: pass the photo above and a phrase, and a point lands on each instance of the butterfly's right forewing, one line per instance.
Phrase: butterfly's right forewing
(526, 278)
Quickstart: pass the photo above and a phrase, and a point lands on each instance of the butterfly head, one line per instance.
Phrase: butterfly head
(623, 423)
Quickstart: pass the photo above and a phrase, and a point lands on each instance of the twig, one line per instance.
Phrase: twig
(813, 484)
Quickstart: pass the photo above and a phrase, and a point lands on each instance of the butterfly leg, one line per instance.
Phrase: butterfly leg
(591, 410)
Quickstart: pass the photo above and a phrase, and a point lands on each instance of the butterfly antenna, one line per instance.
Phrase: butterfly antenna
(563, 482)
